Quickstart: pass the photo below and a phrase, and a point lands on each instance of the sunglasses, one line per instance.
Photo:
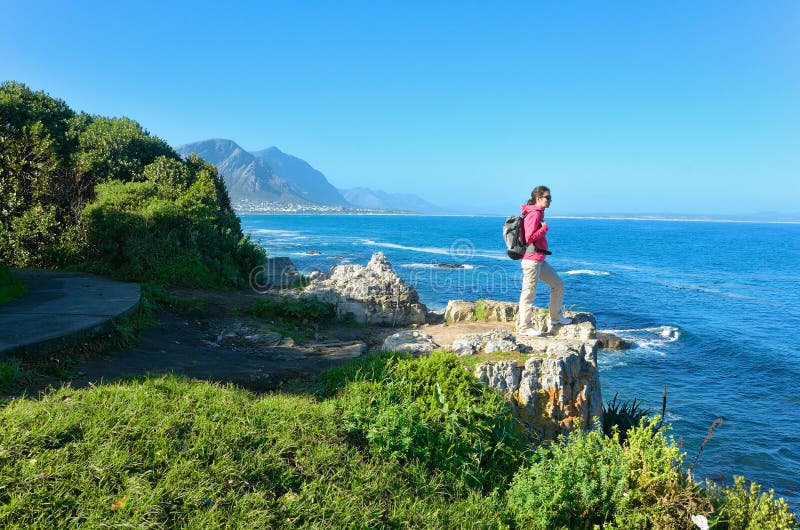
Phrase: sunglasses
(548, 197)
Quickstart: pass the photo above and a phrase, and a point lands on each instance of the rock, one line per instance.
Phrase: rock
(316, 275)
(467, 345)
(313, 252)
(487, 310)
(276, 273)
(449, 266)
(496, 340)
(412, 342)
(500, 311)
(435, 317)
(370, 295)
(459, 311)
(612, 342)
(548, 393)
(339, 350)
(579, 331)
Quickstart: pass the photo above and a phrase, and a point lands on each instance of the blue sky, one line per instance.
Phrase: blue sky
(639, 107)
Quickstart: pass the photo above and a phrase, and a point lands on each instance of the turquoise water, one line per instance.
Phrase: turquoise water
(713, 309)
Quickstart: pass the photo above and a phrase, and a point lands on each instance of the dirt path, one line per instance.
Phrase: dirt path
(218, 342)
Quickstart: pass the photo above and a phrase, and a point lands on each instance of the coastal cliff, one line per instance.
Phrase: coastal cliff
(550, 381)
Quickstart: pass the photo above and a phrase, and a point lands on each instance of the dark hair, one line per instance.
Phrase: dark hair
(537, 192)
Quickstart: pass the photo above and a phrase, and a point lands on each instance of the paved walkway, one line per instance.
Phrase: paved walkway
(62, 305)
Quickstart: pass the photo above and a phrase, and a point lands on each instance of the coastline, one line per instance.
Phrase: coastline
(611, 217)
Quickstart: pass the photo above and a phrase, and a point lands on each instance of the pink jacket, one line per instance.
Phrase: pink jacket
(534, 231)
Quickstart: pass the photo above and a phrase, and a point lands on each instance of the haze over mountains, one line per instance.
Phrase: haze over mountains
(272, 176)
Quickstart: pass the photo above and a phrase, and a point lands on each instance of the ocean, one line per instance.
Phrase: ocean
(713, 310)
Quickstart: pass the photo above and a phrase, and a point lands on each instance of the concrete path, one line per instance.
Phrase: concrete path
(61, 306)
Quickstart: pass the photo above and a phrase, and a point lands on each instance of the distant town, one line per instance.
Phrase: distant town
(252, 206)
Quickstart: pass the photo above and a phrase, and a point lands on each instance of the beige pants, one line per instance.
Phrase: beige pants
(532, 272)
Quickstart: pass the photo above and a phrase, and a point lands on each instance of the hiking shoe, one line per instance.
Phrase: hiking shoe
(563, 321)
(531, 333)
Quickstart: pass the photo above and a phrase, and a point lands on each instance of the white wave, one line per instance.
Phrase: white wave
(435, 266)
(589, 272)
(651, 339)
(449, 251)
(275, 233)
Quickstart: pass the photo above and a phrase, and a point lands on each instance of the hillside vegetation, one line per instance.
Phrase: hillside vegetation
(103, 195)
(387, 442)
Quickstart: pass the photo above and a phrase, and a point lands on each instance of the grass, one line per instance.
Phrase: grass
(388, 442)
(170, 453)
(12, 375)
(293, 317)
(11, 287)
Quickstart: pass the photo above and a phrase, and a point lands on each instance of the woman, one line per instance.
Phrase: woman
(534, 266)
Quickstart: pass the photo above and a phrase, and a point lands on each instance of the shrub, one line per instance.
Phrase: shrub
(103, 195)
(621, 417)
(11, 287)
(430, 411)
(742, 508)
(133, 233)
(32, 240)
(297, 311)
(589, 479)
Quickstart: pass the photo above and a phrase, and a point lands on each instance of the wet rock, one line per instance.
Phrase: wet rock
(612, 342)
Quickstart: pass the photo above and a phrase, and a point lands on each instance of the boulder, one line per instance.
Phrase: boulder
(459, 311)
(370, 295)
(485, 310)
(275, 273)
(412, 342)
(496, 340)
(549, 392)
(612, 342)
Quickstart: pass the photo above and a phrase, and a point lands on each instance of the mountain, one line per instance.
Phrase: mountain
(246, 176)
(270, 175)
(313, 184)
(380, 200)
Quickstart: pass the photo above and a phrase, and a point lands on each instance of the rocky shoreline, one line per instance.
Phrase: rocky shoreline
(551, 381)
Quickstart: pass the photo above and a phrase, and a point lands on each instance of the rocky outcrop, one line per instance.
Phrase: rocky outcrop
(496, 340)
(549, 392)
(483, 310)
(275, 273)
(369, 295)
(412, 342)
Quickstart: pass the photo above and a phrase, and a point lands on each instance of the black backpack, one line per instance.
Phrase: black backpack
(513, 230)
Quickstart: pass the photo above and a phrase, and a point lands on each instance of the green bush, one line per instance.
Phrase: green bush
(297, 311)
(742, 508)
(134, 234)
(589, 479)
(103, 195)
(430, 411)
(11, 287)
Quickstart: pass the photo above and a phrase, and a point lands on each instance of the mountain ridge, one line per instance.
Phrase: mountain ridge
(272, 176)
